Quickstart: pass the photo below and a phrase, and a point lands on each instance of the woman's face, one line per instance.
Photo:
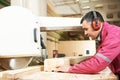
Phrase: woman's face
(88, 30)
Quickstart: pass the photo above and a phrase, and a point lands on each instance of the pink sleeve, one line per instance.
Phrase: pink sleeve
(93, 65)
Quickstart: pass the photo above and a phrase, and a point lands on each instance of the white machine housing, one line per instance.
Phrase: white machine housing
(19, 32)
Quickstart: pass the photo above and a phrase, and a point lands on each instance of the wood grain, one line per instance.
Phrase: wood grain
(16, 74)
(50, 64)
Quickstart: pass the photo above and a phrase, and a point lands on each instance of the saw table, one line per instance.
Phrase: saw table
(37, 73)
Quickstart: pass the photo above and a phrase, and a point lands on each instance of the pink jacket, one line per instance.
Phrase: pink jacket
(108, 53)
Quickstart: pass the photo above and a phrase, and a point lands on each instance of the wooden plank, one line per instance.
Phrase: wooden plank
(37, 73)
(104, 75)
(50, 64)
(16, 74)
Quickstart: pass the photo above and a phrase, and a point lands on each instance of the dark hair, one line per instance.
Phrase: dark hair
(89, 17)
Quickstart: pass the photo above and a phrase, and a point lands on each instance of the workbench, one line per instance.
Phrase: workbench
(37, 73)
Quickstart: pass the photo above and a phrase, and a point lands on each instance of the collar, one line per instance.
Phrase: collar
(99, 37)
